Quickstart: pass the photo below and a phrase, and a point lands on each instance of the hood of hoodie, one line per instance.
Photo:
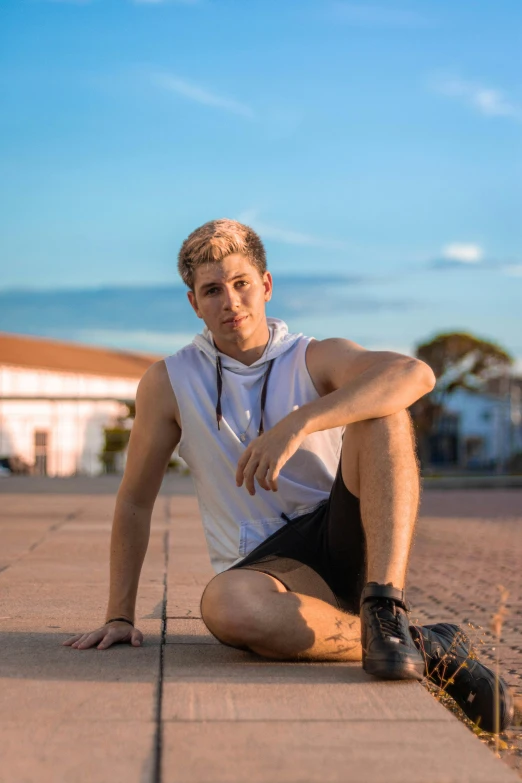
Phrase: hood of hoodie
(280, 341)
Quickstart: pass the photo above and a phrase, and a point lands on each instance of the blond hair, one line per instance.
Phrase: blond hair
(215, 240)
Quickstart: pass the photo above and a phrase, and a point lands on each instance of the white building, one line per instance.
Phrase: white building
(56, 398)
(486, 427)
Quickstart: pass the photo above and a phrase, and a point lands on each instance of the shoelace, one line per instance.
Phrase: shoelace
(389, 626)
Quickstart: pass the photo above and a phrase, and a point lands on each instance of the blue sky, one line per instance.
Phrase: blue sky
(380, 142)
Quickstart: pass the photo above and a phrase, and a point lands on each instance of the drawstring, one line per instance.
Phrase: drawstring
(219, 415)
(219, 371)
(263, 396)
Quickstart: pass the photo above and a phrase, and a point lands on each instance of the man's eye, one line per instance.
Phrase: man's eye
(210, 291)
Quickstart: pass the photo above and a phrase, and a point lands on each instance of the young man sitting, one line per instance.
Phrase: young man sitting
(304, 463)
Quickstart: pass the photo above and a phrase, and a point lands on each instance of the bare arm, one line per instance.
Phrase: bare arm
(357, 384)
(154, 436)
(353, 384)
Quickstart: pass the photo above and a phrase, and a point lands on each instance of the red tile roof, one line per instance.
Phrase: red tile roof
(37, 352)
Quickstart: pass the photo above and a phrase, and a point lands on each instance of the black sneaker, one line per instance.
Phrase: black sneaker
(448, 664)
(388, 649)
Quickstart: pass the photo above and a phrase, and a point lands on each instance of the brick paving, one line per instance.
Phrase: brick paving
(467, 543)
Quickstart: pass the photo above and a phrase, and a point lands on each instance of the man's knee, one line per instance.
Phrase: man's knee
(231, 604)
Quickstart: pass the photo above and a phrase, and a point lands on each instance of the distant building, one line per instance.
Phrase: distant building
(56, 398)
(480, 430)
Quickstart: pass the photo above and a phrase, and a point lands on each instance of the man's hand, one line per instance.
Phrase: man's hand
(110, 633)
(265, 456)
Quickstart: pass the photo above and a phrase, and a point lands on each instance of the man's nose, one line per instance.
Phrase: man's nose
(231, 297)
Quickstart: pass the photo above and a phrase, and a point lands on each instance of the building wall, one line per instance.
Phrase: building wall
(48, 383)
(486, 420)
(74, 427)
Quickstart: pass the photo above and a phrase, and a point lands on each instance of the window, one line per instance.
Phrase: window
(40, 452)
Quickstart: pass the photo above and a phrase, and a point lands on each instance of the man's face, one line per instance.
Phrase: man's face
(230, 297)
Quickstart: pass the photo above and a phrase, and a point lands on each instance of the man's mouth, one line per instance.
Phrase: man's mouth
(237, 320)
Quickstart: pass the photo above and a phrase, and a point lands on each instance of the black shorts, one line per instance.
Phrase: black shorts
(321, 553)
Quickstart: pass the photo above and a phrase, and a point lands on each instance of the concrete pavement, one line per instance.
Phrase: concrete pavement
(185, 709)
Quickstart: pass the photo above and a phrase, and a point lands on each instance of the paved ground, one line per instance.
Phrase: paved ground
(468, 543)
(185, 709)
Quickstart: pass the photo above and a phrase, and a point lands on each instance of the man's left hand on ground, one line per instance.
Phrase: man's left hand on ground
(265, 456)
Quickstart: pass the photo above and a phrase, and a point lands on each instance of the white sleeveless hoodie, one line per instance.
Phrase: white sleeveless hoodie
(234, 521)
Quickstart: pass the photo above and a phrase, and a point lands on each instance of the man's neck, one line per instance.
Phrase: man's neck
(246, 353)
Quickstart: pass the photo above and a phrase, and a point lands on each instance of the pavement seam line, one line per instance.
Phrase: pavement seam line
(158, 739)
(52, 529)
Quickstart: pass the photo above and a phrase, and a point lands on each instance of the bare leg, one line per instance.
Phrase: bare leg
(254, 610)
(264, 617)
(383, 472)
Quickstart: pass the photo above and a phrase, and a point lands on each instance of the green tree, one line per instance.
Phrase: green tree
(175, 464)
(115, 442)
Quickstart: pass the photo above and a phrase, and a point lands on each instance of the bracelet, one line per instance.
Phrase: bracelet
(124, 619)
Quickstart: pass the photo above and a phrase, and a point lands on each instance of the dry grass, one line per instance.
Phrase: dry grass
(497, 621)
(507, 745)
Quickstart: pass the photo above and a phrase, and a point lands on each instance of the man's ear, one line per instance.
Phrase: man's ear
(268, 284)
(192, 299)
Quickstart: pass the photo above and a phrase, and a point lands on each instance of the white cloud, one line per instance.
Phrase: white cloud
(287, 236)
(460, 255)
(487, 100)
(465, 253)
(198, 94)
(365, 15)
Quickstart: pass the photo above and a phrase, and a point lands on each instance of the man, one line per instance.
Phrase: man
(304, 464)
